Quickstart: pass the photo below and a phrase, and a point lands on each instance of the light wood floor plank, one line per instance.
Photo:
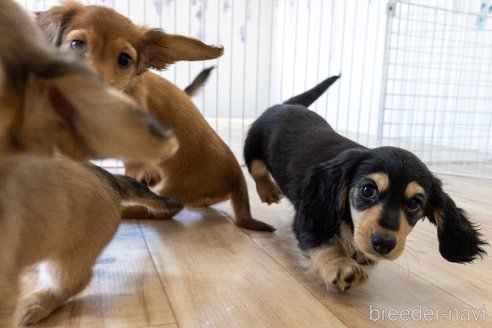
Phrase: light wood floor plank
(390, 285)
(419, 278)
(200, 270)
(216, 276)
(124, 293)
(472, 283)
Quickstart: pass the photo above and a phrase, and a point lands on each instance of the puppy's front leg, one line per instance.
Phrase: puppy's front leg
(9, 291)
(347, 239)
(148, 174)
(59, 280)
(361, 258)
(336, 267)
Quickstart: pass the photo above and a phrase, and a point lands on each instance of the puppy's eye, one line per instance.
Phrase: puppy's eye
(414, 204)
(124, 60)
(369, 191)
(78, 46)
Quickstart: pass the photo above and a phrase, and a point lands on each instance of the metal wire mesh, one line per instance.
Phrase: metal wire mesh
(437, 84)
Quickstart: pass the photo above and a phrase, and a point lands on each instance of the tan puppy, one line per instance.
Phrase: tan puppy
(43, 221)
(49, 103)
(204, 170)
(55, 211)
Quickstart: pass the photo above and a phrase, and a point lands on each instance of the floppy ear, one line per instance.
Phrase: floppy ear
(54, 21)
(68, 109)
(324, 199)
(459, 239)
(158, 49)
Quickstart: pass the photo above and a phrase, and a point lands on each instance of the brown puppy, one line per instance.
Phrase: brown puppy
(49, 103)
(55, 211)
(204, 171)
(43, 222)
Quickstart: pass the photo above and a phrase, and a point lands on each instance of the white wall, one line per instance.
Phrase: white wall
(435, 88)
(273, 50)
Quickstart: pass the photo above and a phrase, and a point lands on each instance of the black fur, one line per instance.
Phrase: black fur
(316, 169)
(199, 81)
(130, 189)
(459, 239)
(307, 98)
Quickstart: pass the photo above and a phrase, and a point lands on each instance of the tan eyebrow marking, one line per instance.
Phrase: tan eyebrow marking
(413, 188)
(381, 180)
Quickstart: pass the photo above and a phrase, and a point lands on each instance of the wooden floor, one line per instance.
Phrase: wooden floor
(200, 270)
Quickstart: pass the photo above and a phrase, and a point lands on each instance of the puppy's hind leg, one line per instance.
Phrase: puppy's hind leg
(70, 271)
(58, 281)
(240, 203)
(267, 189)
(254, 157)
(9, 292)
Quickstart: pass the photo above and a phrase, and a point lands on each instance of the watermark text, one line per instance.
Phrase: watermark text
(421, 313)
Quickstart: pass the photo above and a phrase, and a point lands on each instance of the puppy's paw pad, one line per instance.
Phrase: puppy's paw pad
(344, 275)
(150, 178)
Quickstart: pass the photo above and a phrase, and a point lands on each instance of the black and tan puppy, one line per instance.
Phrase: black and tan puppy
(352, 203)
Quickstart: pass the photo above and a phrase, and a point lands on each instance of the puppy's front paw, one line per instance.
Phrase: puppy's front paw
(343, 275)
(150, 177)
(147, 174)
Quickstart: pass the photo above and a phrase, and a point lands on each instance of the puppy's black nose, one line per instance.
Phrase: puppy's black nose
(382, 244)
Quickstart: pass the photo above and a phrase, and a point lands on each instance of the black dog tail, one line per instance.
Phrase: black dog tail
(199, 81)
(137, 200)
(307, 98)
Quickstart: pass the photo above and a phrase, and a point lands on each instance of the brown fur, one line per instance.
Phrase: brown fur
(42, 222)
(42, 113)
(204, 171)
(55, 212)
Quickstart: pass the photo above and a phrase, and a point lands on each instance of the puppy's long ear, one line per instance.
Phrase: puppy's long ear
(159, 49)
(324, 199)
(67, 108)
(459, 239)
(54, 21)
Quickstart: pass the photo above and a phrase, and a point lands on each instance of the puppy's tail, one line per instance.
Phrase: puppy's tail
(137, 200)
(307, 98)
(199, 81)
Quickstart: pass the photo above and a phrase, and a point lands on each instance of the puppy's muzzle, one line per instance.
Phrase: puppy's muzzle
(382, 244)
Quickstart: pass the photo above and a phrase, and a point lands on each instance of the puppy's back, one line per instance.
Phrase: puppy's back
(290, 139)
(52, 204)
